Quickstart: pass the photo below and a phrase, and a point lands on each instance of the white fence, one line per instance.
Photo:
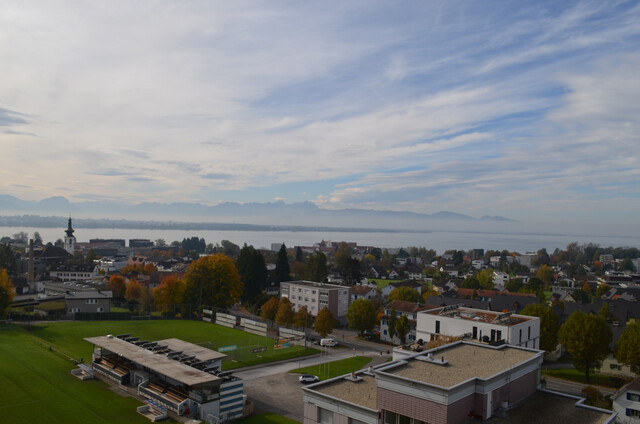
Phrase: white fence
(254, 327)
(226, 320)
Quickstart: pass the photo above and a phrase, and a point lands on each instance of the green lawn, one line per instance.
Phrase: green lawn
(382, 283)
(578, 376)
(267, 418)
(37, 387)
(335, 368)
(68, 337)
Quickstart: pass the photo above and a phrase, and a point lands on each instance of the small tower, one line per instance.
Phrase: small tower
(69, 239)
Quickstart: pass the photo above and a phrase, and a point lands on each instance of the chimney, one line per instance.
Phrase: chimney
(30, 265)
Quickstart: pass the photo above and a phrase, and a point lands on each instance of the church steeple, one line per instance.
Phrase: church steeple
(69, 239)
(69, 229)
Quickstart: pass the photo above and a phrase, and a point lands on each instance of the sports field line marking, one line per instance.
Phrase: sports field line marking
(22, 403)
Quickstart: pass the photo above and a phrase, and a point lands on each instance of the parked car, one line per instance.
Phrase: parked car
(308, 378)
(328, 342)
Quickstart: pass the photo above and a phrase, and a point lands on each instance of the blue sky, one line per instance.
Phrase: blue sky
(528, 110)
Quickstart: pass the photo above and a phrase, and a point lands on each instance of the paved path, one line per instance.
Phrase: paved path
(573, 387)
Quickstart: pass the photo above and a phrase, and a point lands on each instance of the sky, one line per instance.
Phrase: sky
(529, 110)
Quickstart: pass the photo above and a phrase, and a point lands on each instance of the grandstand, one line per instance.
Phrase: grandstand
(178, 376)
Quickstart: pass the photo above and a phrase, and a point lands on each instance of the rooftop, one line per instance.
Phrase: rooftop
(464, 362)
(156, 362)
(94, 294)
(479, 315)
(190, 349)
(361, 392)
(545, 407)
(314, 284)
(410, 307)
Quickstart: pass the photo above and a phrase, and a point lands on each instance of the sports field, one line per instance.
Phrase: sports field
(36, 384)
(68, 337)
(37, 387)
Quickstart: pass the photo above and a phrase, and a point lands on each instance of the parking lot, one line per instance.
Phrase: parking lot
(280, 393)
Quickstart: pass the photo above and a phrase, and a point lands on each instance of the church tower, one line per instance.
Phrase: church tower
(69, 239)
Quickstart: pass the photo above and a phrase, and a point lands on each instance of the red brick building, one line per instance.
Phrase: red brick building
(450, 384)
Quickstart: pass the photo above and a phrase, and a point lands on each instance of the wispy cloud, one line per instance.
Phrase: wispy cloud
(500, 108)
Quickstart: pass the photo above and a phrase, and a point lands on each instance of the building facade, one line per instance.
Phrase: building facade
(480, 325)
(88, 301)
(401, 307)
(446, 385)
(626, 402)
(315, 296)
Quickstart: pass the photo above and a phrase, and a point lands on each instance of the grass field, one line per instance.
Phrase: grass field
(335, 368)
(68, 337)
(37, 387)
(36, 384)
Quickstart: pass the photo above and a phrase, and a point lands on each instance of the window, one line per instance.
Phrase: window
(325, 416)
(354, 421)
(390, 417)
(633, 412)
(615, 367)
(100, 310)
(437, 327)
(633, 396)
(313, 292)
(529, 331)
(520, 336)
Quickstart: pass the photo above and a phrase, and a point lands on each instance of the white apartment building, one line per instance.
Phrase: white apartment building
(315, 296)
(477, 324)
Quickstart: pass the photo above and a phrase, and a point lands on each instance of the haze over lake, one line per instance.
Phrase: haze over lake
(438, 240)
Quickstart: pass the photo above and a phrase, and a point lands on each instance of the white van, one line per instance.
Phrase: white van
(328, 342)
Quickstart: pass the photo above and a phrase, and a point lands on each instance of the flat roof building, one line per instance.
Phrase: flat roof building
(450, 384)
(180, 376)
(478, 324)
(315, 296)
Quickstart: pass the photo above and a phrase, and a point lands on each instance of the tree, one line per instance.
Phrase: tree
(6, 292)
(299, 254)
(341, 255)
(282, 265)
(549, 325)
(229, 248)
(285, 312)
(407, 294)
(213, 281)
(627, 265)
(627, 348)
(169, 293)
(391, 323)
(485, 278)
(544, 273)
(117, 286)
(91, 256)
(134, 294)
(602, 289)
(470, 282)
(586, 337)
(315, 269)
(253, 272)
(351, 271)
(269, 309)
(361, 315)
(8, 259)
(325, 323)
(303, 318)
(402, 328)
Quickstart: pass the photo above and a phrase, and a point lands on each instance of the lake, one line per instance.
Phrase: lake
(437, 240)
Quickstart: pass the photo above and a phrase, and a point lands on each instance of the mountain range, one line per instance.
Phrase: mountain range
(279, 213)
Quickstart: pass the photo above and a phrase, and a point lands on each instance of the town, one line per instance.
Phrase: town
(454, 337)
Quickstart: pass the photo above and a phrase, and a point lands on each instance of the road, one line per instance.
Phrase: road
(272, 388)
(572, 387)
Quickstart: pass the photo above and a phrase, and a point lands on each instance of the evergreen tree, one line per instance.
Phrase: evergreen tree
(315, 269)
(253, 272)
(282, 265)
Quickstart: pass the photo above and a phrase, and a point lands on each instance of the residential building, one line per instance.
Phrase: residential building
(449, 384)
(528, 259)
(477, 324)
(401, 307)
(626, 402)
(500, 279)
(315, 296)
(88, 301)
(363, 292)
(72, 272)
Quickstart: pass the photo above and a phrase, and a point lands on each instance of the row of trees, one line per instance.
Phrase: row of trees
(281, 312)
